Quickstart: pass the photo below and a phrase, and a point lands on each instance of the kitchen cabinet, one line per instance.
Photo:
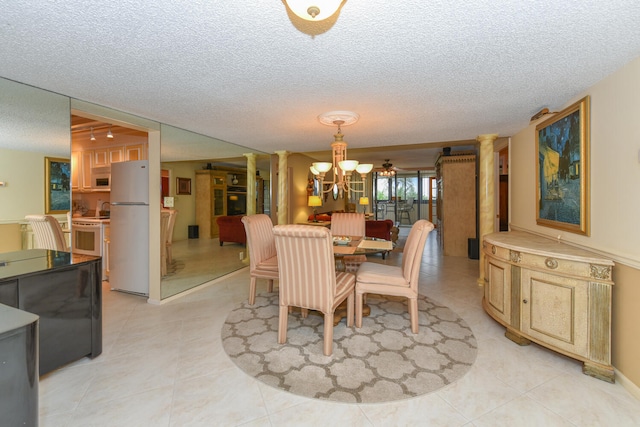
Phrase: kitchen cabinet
(456, 201)
(106, 155)
(551, 293)
(81, 164)
(211, 200)
(134, 152)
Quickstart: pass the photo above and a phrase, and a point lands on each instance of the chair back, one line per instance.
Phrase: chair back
(348, 224)
(413, 249)
(48, 232)
(306, 265)
(260, 241)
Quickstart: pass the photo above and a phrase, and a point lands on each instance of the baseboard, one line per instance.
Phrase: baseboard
(633, 389)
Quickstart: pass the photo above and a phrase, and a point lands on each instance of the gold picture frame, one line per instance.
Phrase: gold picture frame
(57, 185)
(183, 186)
(562, 169)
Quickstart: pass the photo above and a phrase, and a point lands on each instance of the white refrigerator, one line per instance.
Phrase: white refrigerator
(129, 246)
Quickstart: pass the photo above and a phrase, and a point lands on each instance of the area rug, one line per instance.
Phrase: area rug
(380, 362)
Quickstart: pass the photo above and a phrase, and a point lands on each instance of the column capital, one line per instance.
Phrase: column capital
(282, 153)
(488, 137)
(249, 155)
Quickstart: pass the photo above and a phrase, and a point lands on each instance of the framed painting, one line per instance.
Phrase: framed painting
(57, 184)
(562, 181)
(184, 186)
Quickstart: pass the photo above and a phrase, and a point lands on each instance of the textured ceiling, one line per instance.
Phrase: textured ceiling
(416, 71)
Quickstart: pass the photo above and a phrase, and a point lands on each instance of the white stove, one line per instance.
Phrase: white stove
(88, 238)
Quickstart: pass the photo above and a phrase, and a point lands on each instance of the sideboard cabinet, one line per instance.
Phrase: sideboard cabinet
(551, 293)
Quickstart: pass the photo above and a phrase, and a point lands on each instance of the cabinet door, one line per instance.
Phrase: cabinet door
(555, 310)
(86, 166)
(497, 292)
(134, 152)
(116, 154)
(100, 157)
(76, 161)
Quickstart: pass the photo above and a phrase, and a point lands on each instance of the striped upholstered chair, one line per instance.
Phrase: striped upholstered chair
(308, 278)
(48, 232)
(263, 262)
(393, 280)
(349, 224)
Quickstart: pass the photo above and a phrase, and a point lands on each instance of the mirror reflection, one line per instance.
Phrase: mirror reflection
(36, 124)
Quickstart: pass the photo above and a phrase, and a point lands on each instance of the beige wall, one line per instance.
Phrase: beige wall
(183, 203)
(615, 174)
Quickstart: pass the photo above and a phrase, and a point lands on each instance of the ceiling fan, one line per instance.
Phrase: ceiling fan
(387, 169)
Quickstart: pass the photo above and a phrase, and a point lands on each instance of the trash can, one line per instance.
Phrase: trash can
(473, 248)
(193, 232)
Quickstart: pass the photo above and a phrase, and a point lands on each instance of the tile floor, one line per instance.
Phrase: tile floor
(165, 366)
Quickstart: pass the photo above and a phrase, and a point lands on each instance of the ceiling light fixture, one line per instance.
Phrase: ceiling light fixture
(93, 138)
(314, 10)
(342, 168)
(109, 134)
(388, 171)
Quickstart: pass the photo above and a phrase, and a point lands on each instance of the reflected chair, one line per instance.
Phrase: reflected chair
(349, 224)
(164, 229)
(393, 280)
(308, 278)
(48, 232)
(263, 262)
(169, 237)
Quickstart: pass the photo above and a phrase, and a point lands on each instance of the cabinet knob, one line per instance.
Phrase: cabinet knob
(525, 301)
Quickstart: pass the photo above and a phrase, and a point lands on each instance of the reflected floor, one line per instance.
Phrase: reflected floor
(196, 261)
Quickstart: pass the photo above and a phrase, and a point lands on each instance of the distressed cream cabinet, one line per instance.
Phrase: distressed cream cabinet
(554, 294)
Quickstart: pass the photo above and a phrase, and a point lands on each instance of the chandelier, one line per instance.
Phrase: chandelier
(388, 171)
(342, 167)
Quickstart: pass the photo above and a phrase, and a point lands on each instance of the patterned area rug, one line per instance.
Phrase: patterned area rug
(382, 361)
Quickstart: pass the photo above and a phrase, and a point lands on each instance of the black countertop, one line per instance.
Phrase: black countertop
(19, 263)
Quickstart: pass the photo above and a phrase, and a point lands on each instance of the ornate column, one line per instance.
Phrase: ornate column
(283, 193)
(486, 202)
(251, 183)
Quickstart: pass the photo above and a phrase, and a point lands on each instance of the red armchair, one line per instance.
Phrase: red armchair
(231, 229)
(380, 229)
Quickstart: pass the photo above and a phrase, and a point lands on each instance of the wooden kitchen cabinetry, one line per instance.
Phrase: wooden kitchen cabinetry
(81, 164)
(554, 294)
(456, 201)
(211, 200)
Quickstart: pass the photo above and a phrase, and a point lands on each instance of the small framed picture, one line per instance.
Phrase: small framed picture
(184, 186)
(57, 195)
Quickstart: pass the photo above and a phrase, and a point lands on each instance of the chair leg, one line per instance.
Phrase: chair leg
(328, 334)
(283, 318)
(358, 302)
(413, 314)
(252, 291)
(270, 285)
(350, 301)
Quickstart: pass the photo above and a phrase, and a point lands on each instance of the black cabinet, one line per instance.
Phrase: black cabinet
(65, 291)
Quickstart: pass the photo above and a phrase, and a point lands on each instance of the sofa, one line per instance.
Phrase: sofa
(231, 229)
(379, 228)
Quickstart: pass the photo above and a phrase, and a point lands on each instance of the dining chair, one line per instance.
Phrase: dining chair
(349, 224)
(48, 232)
(404, 209)
(394, 280)
(263, 262)
(308, 278)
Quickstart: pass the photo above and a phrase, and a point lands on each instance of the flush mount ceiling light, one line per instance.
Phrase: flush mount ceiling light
(342, 168)
(314, 10)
